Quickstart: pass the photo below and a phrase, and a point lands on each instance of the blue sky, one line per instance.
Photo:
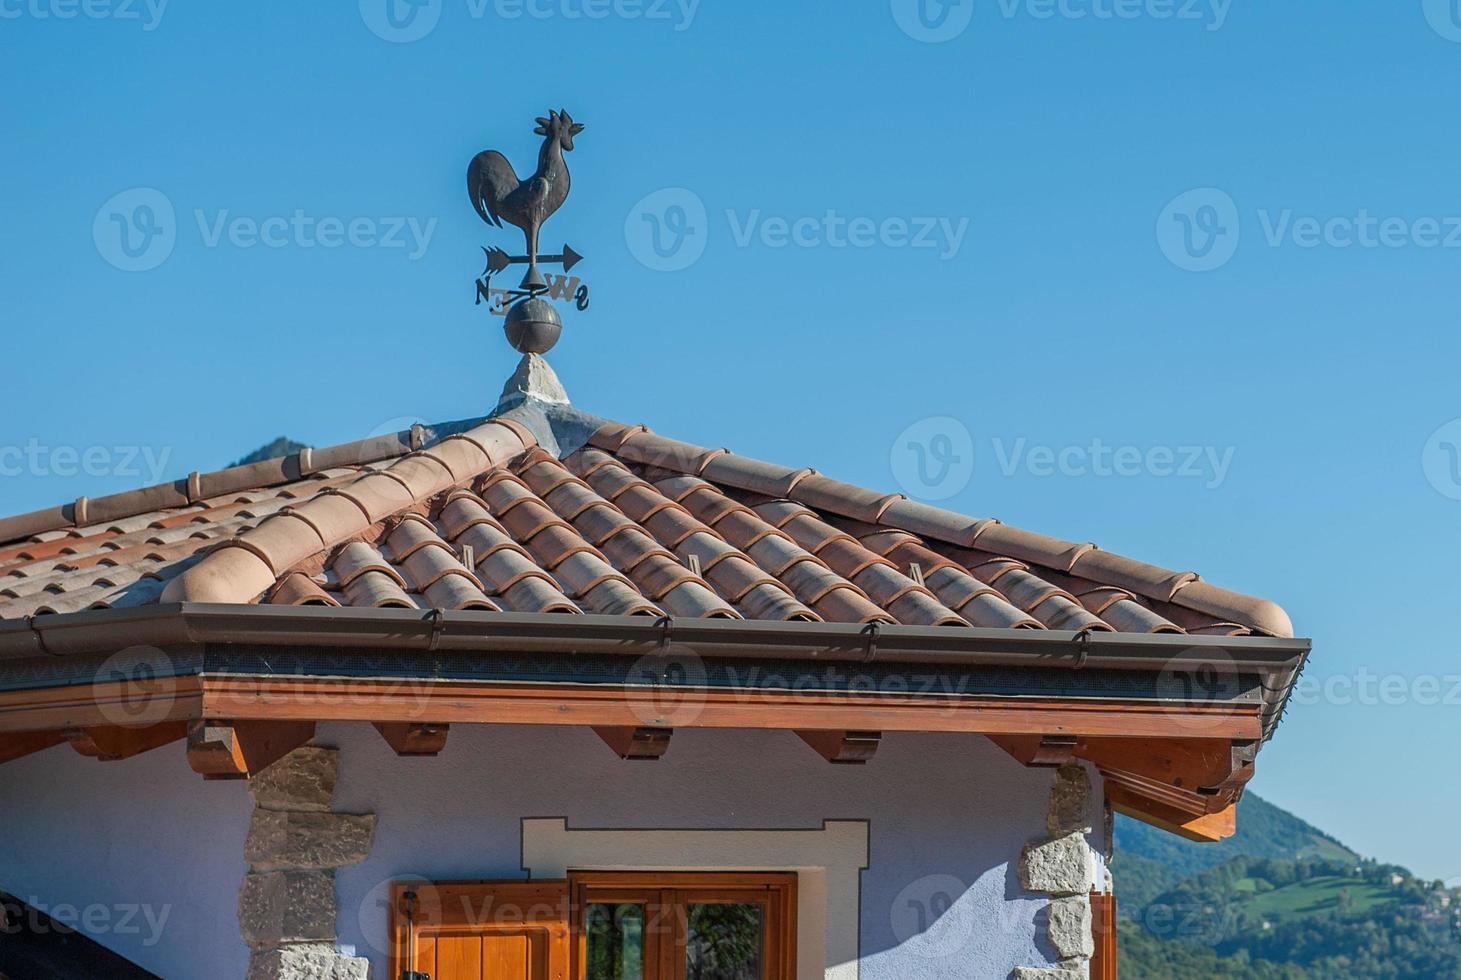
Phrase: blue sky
(978, 222)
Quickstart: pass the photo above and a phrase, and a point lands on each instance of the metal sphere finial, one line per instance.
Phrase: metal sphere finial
(533, 326)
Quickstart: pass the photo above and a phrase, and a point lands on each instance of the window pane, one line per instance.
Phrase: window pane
(723, 942)
(615, 939)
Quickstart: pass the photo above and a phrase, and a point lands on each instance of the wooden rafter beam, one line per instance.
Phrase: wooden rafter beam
(1038, 751)
(111, 743)
(843, 748)
(478, 702)
(640, 744)
(21, 744)
(1208, 827)
(409, 738)
(482, 702)
(241, 749)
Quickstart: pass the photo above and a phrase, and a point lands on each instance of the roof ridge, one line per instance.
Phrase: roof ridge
(244, 567)
(199, 486)
(805, 486)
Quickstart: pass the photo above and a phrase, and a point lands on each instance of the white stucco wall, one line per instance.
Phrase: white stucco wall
(947, 816)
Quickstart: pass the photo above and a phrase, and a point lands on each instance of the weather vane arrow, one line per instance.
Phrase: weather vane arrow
(497, 259)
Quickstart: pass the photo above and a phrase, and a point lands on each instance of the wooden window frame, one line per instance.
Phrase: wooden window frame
(665, 894)
(558, 908)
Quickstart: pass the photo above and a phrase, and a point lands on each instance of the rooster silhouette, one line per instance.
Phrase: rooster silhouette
(497, 193)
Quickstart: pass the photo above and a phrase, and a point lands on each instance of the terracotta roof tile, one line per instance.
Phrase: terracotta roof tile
(618, 528)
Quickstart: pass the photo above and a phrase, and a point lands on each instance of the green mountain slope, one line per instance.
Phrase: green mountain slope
(1281, 900)
(1264, 831)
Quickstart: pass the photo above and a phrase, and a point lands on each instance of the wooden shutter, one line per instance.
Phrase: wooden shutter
(481, 930)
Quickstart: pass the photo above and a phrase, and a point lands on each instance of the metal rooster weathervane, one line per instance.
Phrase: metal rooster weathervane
(498, 194)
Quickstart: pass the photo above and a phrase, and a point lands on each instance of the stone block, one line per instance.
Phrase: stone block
(309, 962)
(1066, 971)
(1070, 927)
(302, 780)
(1070, 801)
(281, 840)
(286, 907)
(1059, 866)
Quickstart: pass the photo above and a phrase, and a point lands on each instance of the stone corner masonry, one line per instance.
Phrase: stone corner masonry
(287, 906)
(1063, 867)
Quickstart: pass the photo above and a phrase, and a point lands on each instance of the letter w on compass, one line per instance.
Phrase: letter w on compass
(499, 194)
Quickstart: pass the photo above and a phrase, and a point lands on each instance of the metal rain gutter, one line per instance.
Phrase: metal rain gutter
(105, 630)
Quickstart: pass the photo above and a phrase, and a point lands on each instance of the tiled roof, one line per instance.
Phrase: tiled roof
(627, 523)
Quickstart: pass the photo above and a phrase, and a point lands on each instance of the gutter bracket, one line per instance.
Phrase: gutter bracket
(1083, 651)
(666, 626)
(872, 631)
(438, 625)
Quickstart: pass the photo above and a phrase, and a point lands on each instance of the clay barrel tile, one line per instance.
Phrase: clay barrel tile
(463, 458)
(1029, 546)
(768, 602)
(569, 500)
(693, 600)
(752, 474)
(611, 435)
(421, 475)
(378, 496)
(135, 502)
(458, 592)
(464, 511)
(357, 558)
(361, 451)
(587, 461)
(264, 473)
(1130, 616)
(429, 565)
(1262, 614)
(298, 589)
(230, 574)
(377, 590)
(36, 522)
(933, 522)
(1139, 577)
(283, 541)
(613, 598)
(848, 606)
(677, 488)
(827, 494)
(502, 440)
(412, 534)
(334, 517)
(1060, 612)
(654, 450)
